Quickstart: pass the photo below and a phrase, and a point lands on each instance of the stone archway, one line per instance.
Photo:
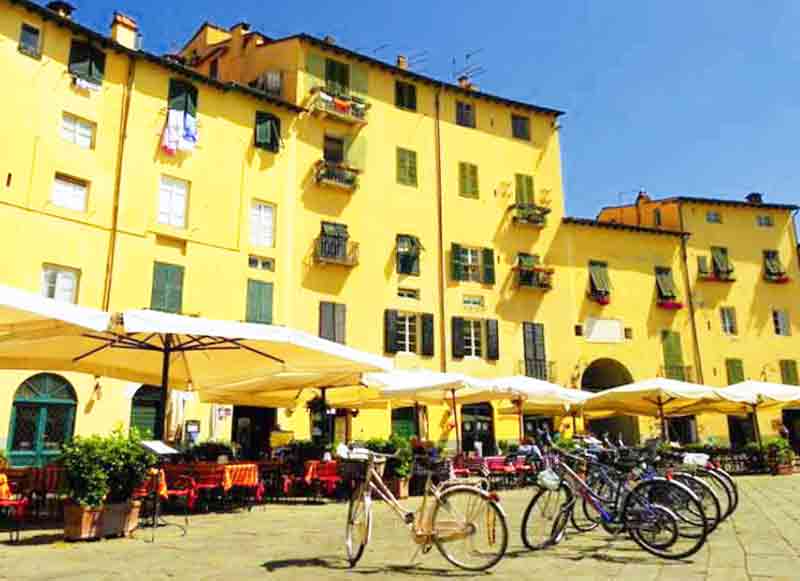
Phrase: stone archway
(604, 374)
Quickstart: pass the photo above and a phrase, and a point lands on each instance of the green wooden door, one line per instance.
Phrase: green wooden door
(145, 407)
(673, 356)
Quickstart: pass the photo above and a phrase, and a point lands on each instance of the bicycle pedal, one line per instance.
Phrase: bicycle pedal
(426, 549)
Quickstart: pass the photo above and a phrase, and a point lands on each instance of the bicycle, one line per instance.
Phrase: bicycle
(464, 522)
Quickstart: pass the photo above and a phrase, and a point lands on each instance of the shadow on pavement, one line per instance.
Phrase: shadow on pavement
(341, 565)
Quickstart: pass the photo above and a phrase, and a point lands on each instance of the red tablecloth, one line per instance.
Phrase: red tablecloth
(227, 475)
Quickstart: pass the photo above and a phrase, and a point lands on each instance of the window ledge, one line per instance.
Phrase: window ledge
(170, 232)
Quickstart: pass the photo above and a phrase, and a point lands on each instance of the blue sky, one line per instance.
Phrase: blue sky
(685, 97)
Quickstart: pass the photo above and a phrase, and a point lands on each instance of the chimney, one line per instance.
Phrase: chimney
(63, 9)
(642, 197)
(124, 30)
(402, 62)
(754, 198)
(330, 39)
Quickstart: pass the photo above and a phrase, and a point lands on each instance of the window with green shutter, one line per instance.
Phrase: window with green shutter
(268, 131)
(407, 254)
(87, 62)
(426, 320)
(492, 340)
(457, 337)
(182, 97)
(405, 95)
(673, 356)
(465, 114)
(167, 294)
(487, 264)
(598, 278)
(457, 262)
(337, 77)
(789, 372)
(404, 422)
(665, 284)
(390, 331)
(728, 320)
(145, 411)
(259, 302)
(524, 190)
(406, 167)
(468, 179)
(723, 268)
(332, 321)
(703, 269)
(735, 370)
(534, 349)
(773, 269)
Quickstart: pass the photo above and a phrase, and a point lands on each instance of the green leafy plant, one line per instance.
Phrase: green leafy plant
(3, 460)
(399, 467)
(101, 469)
(503, 445)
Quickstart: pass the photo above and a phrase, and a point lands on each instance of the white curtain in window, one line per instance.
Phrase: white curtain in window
(59, 284)
(70, 195)
(173, 196)
(262, 220)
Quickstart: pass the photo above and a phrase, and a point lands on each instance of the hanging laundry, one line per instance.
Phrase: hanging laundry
(341, 106)
(189, 136)
(173, 131)
(325, 97)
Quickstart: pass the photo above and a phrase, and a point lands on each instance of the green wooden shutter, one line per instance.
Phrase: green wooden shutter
(735, 369)
(80, 60)
(598, 275)
(167, 293)
(488, 266)
(462, 178)
(340, 323)
(315, 67)
(789, 372)
(673, 355)
(97, 61)
(411, 99)
(177, 98)
(390, 331)
(175, 289)
(412, 168)
(457, 328)
(356, 151)
(702, 266)
(158, 295)
(327, 327)
(427, 335)
(524, 189)
(457, 261)
(402, 166)
(665, 283)
(721, 262)
(359, 80)
(263, 130)
(259, 302)
(492, 340)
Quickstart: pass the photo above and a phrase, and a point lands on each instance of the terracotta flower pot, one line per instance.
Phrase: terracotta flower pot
(112, 520)
(81, 523)
(399, 487)
(119, 520)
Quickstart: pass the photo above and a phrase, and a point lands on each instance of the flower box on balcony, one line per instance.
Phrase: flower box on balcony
(600, 299)
(345, 108)
(530, 214)
(714, 277)
(336, 175)
(670, 304)
(777, 279)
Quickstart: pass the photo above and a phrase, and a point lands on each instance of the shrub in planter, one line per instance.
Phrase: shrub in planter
(780, 456)
(398, 470)
(100, 475)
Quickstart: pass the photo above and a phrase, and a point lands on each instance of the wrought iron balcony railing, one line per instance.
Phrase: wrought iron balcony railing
(335, 250)
(336, 175)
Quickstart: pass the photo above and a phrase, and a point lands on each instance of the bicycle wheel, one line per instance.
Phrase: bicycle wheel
(587, 517)
(720, 487)
(682, 505)
(543, 515)
(732, 487)
(706, 495)
(359, 524)
(655, 530)
(469, 529)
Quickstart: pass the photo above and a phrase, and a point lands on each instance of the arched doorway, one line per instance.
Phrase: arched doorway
(42, 419)
(477, 425)
(604, 374)
(145, 411)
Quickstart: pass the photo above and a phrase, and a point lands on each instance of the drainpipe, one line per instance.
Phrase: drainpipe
(793, 236)
(123, 136)
(690, 299)
(440, 231)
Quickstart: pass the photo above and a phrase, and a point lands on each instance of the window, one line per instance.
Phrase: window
(332, 321)
(472, 338)
(408, 293)
(259, 302)
(77, 131)
(468, 180)
(773, 269)
(406, 332)
(657, 217)
(213, 69)
(405, 422)
(536, 364)
(406, 167)
(146, 411)
(408, 251)
(60, 283)
(665, 284)
(530, 274)
(728, 318)
(262, 224)
(673, 356)
(167, 292)
(182, 97)
(473, 302)
(723, 269)
(735, 370)
(333, 240)
(713, 217)
(765, 221)
(261, 262)
(465, 114)
(333, 150)
(70, 193)
(521, 127)
(337, 77)
(789, 372)
(173, 196)
(599, 283)
(781, 322)
(579, 330)
(524, 191)
(29, 41)
(87, 62)
(267, 132)
(405, 95)
(472, 264)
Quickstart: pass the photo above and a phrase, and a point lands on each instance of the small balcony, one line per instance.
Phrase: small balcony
(336, 175)
(679, 372)
(776, 277)
(669, 304)
(600, 297)
(537, 278)
(347, 109)
(335, 250)
(716, 276)
(538, 369)
(530, 215)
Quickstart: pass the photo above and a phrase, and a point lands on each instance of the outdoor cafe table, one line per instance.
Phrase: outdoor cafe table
(244, 474)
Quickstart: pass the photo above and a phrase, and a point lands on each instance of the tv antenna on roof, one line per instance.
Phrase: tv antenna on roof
(470, 69)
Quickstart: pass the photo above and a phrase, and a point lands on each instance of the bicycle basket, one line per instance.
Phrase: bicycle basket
(357, 469)
(548, 479)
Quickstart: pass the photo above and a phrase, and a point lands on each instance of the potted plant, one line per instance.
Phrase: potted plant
(780, 456)
(100, 476)
(398, 470)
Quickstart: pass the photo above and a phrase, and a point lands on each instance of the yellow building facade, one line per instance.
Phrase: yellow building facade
(292, 181)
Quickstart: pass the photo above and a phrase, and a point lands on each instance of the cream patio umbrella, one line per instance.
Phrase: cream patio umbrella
(658, 397)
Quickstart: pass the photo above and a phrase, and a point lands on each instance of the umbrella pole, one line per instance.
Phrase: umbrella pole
(664, 430)
(161, 427)
(521, 421)
(756, 428)
(574, 425)
(455, 421)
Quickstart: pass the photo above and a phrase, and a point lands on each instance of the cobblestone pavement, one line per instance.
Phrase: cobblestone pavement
(299, 542)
